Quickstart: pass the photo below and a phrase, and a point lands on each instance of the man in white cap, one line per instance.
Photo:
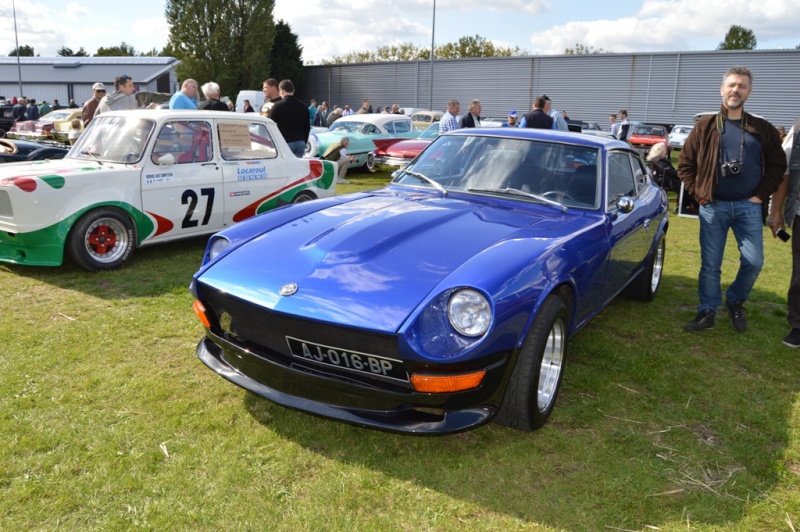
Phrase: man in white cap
(89, 108)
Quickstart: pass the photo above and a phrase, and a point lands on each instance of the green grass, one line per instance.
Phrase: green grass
(109, 421)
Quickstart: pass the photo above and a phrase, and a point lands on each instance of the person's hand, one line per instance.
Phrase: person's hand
(756, 199)
(775, 224)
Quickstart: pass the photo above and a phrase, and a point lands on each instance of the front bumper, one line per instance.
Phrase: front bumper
(324, 393)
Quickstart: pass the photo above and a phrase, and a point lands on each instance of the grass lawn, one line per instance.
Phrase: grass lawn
(109, 420)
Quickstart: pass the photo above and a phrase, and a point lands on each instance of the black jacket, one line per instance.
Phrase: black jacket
(293, 119)
(538, 119)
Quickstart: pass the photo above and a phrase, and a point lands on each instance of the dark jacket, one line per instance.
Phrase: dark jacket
(468, 121)
(292, 118)
(793, 195)
(212, 104)
(697, 166)
(538, 119)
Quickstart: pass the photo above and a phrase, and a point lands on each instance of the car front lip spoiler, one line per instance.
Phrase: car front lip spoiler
(407, 422)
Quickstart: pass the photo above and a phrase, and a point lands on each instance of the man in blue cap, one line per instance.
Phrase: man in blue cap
(512, 119)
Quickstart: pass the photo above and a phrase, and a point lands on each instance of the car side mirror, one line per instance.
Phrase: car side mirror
(625, 204)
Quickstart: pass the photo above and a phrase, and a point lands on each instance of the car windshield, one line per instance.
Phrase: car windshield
(364, 128)
(682, 130)
(517, 169)
(430, 133)
(650, 130)
(113, 139)
(58, 115)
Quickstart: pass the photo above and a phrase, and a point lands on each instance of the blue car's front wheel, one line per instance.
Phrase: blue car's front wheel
(536, 379)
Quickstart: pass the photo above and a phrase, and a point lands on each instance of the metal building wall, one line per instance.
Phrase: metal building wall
(666, 87)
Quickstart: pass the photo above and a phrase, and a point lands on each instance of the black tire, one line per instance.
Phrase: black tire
(103, 239)
(533, 388)
(369, 165)
(645, 286)
(303, 197)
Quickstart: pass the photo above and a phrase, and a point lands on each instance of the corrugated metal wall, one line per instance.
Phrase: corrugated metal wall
(659, 87)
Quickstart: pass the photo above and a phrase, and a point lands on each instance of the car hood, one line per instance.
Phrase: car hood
(51, 171)
(371, 261)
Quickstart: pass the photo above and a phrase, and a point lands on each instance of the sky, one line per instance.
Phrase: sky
(328, 28)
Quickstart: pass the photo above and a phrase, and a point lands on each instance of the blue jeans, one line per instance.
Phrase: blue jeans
(716, 218)
(298, 147)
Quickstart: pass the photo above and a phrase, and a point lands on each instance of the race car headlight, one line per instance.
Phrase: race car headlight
(217, 246)
(469, 312)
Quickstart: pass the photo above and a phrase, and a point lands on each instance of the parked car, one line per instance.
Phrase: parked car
(361, 130)
(142, 177)
(6, 119)
(14, 151)
(423, 119)
(644, 136)
(399, 152)
(446, 299)
(677, 137)
(43, 128)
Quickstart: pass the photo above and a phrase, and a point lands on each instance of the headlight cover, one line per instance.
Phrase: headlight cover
(217, 246)
(469, 313)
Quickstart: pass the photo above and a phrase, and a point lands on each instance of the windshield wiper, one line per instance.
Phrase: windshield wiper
(518, 192)
(427, 179)
(92, 156)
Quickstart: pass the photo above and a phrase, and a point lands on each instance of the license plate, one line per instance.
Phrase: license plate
(348, 360)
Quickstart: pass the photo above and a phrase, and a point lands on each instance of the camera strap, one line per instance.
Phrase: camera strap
(720, 123)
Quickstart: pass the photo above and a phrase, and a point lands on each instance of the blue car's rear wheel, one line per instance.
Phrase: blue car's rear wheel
(536, 379)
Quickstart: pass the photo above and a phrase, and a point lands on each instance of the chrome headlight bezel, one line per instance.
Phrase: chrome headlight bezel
(217, 247)
(469, 312)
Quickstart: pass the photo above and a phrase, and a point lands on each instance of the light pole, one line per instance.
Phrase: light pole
(16, 40)
(433, 48)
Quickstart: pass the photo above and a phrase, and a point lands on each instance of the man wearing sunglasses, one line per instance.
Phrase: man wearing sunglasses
(121, 99)
(98, 91)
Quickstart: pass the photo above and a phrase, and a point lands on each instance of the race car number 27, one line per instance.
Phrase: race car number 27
(189, 197)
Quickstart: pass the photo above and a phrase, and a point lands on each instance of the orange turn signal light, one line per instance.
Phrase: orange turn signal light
(446, 383)
(200, 310)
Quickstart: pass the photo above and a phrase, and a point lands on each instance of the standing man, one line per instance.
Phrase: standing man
(788, 217)
(558, 119)
(186, 98)
(272, 95)
(473, 117)
(212, 91)
(347, 111)
(72, 104)
(449, 122)
(612, 119)
(247, 108)
(365, 108)
(537, 118)
(312, 110)
(291, 115)
(32, 112)
(89, 108)
(56, 105)
(624, 130)
(18, 111)
(120, 100)
(731, 163)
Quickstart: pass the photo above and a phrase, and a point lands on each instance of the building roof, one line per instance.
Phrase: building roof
(85, 69)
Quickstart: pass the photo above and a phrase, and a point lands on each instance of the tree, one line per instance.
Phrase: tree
(25, 50)
(123, 50)
(738, 38)
(67, 52)
(228, 41)
(476, 46)
(286, 58)
(581, 49)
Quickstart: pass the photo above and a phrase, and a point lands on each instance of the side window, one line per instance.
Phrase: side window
(241, 141)
(372, 130)
(620, 178)
(640, 174)
(402, 126)
(184, 141)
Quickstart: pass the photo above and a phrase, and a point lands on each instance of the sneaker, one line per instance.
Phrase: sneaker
(793, 340)
(703, 321)
(342, 182)
(737, 317)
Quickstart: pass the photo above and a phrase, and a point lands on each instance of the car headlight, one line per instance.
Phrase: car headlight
(469, 312)
(218, 246)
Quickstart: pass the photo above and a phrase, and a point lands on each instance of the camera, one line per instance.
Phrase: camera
(783, 235)
(730, 168)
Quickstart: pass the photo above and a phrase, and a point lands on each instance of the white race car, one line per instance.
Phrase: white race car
(143, 177)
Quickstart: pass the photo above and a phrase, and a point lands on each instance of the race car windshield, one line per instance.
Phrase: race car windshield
(114, 139)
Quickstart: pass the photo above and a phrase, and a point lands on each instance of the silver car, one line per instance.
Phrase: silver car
(677, 136)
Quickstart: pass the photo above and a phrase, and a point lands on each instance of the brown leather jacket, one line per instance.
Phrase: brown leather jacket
(697, 166)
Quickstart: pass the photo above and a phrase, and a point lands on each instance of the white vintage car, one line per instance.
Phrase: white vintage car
(144, 177)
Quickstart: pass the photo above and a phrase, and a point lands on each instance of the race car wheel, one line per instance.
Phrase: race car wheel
(303, 197)
(103, 239)
(370, 164)
(536, 379)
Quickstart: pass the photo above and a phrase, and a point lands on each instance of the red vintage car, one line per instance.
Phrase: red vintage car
(400, 152)
(645, 136)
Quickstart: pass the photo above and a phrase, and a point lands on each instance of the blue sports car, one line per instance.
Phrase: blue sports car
(446, 299)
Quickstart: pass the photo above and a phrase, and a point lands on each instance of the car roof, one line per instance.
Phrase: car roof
(162, 114)
(543, 134)
(373, 118)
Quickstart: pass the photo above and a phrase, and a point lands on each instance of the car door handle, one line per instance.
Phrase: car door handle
(646, 224)
(208, 164)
